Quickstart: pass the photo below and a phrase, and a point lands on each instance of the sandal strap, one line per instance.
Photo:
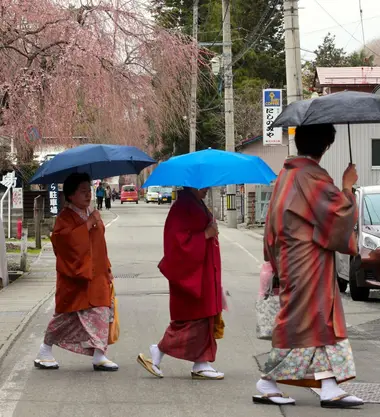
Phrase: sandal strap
(213, 371)
(276, 395)
(339, 398)
(46, 360)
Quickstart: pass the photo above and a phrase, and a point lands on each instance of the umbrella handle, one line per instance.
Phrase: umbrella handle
(349, 142)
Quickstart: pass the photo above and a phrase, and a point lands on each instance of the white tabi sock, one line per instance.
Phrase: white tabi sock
(268, 386)
(46, 352)
(156, 355)
(330, 390)
(99, 357)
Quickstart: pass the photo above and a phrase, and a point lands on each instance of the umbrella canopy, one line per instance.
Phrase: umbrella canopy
(211, 168)
(347, 107)
(99, 161)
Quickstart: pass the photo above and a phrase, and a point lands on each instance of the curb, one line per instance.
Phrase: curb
(25, 321)
(244, 229)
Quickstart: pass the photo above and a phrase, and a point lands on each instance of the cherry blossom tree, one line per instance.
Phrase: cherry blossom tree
(100, 70)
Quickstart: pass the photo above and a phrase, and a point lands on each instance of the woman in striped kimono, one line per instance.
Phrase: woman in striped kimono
(309, 219)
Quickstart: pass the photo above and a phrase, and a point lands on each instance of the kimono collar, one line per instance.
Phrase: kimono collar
(83, 214)
(300, 162)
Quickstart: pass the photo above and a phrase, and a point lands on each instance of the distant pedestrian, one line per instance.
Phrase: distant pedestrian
(83, 305)
(192, 265)
(309, 219)
(114, 194)
(100, 194)
(108, 195)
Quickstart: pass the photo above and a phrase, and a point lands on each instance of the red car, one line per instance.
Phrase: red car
(129, 194)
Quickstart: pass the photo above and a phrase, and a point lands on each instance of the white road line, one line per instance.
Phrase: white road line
(242, 248)
(113, 221)
(13, 388)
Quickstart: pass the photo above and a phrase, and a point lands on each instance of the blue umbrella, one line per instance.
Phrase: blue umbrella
(211, 168)
(99, 161)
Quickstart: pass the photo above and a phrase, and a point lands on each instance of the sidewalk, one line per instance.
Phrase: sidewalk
(20, 300)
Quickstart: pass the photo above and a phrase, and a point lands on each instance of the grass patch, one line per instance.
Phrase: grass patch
(31, 251)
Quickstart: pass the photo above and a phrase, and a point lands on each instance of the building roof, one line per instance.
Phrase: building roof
(248, 141)
(348, 76)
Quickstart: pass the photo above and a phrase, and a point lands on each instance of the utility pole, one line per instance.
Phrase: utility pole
(229, 106)
(194, 82)
(293, 60)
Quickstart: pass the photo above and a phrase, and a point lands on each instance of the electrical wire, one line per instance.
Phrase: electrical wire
(339, 24)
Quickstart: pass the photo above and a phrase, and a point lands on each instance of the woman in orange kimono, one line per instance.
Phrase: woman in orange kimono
(83, 310)
(309, 219)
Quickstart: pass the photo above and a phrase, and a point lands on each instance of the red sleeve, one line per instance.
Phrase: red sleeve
(334, 213)
(184, 252)
(72, 247)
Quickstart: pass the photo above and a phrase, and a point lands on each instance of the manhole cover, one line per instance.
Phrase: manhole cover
(126, 276)
(368, 392)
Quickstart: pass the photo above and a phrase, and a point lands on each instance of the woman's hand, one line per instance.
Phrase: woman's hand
(110, 277)
(93, 220)
(212, 231)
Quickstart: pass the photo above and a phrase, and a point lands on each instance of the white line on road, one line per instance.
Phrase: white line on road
(242, 248)
(13, 388)
(113, 221)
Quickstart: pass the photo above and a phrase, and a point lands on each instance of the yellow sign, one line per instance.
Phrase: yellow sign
(292, 131)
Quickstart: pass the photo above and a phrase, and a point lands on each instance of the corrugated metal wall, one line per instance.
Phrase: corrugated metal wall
(337, 158)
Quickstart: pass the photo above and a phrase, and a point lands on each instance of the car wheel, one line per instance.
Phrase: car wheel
(343, 284)
(357, 293)
(121, 202)
(137, 202)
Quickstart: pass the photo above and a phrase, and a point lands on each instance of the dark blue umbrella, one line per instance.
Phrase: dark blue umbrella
(99, 161)
(211, 168)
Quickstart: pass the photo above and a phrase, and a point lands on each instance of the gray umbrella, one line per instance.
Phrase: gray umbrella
(347, 107)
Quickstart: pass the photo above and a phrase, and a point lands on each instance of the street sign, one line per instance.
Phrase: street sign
(17, 198)
(32, 134)
(272, 107)
(53, 199)
(9, 180)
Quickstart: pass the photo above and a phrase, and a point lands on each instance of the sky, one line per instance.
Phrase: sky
(341, 18)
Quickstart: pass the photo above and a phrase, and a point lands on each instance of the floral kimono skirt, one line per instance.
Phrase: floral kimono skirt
(82, 331)
(307, 367)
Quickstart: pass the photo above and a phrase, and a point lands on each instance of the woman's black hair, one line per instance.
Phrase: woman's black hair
(314, 140)
(73, 182)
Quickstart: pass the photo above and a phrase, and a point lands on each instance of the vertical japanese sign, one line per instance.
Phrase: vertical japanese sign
(17, 198)
(272, 107)
(53, 199)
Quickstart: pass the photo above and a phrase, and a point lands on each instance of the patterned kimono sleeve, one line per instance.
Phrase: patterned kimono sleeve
(333, 213)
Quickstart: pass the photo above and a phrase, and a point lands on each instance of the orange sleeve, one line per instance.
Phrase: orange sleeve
(72, 247)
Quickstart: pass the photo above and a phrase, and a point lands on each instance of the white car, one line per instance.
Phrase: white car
(362, 272)
(152, 193)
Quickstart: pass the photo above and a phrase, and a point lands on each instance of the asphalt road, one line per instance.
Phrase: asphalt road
(135, 247)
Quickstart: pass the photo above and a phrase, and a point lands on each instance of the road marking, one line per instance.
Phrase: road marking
(113, 221)
(13, 388)
(242, 248)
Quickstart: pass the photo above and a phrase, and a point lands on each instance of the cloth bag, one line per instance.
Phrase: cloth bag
(267, 308)
(114, 329)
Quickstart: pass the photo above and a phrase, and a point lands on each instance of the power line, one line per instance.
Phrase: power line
(339, 24)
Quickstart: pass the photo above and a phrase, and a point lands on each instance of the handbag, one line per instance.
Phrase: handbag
(267, 308)
(114, 328)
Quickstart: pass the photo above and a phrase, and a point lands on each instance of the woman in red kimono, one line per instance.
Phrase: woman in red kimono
(83, 310)
(309, 219)
(192, 265)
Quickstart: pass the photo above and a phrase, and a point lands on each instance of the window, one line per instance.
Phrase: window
(371, 203)
(375, 153)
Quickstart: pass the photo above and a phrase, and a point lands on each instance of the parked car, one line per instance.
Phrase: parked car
(151, 195)
(362, 272)
(129, 194)
(165, 195)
